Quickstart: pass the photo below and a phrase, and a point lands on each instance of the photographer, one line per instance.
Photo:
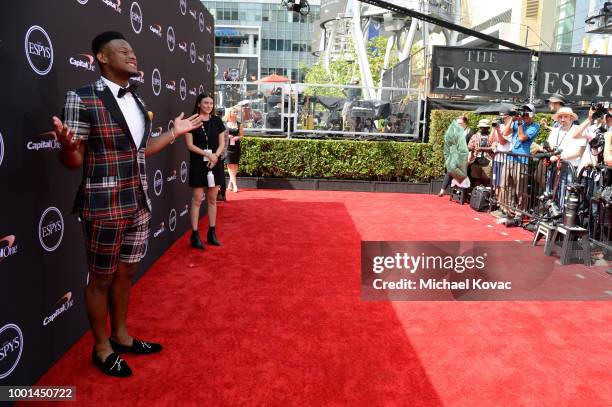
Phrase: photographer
(564, 138)
(481, 154)
(555, 102)
(524, 131)
(592, 130)
(500, 140)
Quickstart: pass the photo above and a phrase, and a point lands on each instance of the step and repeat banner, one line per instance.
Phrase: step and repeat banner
(45, 49)
(508, 74)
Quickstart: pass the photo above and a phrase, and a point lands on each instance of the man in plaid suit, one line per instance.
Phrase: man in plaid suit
(106, 130)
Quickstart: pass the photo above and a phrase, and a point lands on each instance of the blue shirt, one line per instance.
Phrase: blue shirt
(523, 147)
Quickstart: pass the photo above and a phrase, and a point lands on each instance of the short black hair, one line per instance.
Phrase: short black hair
(103, 39)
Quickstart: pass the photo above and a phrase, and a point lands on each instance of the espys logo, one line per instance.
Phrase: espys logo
(11, 347)
(39, 50)
(172, 176)
(156, 82)
(83, 61)
(115, 5)
(140, 77)
(157, 132)
(172, 220)
(183, 88)
(193, 54)
(193, 92)
(7, 247)
(136, 17)
(209, 63)
(158, 182)
(82, 1)
(171, 86)
(1, 149)
(61, 306)
(156, 29)
(183, 172)
(160, 229)
(185, 211)
(183, 6)
(201, 89)
(170, 39)
(170, 124)
(183, 46)
(201, 22)
(51, 229)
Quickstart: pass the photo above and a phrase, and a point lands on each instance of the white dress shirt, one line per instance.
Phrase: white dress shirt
(132, 113)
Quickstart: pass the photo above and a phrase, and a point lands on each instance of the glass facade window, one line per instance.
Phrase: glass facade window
(285, 36)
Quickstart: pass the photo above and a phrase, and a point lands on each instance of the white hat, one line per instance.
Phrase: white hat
(484, 123)
(530, 106)
(566, 111)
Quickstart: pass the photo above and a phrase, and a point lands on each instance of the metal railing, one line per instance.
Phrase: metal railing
(323, 110)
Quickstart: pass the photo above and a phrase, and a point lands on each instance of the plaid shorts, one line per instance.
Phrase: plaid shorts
(109, 241)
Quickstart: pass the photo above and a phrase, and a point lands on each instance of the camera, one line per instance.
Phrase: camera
(547, 154)
(600, 110)
(598, 141)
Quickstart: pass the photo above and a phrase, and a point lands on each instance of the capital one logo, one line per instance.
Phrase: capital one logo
(7, 247)
(158, 182)
(170, 39)
(140, 77)
(183, 172)
(183, 6)
(201, 21)
(115, 5)
(156, 82)
(157, 132)
(172, 220)
(39, 50)
(62, 305)
(193, 53)
(208, 62)
(136, 17)
(11, 347)
(83, 61)
(51, 229)
(183, 89)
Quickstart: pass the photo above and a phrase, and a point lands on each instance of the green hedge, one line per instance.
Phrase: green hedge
(338, 159)
(355, 160)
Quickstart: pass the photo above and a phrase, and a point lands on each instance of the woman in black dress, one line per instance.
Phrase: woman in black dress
(205, 145)
(234, 128)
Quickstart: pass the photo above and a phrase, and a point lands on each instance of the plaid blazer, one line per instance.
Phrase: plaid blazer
(114, 182)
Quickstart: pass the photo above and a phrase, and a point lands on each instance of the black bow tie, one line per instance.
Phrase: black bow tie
(131, 88)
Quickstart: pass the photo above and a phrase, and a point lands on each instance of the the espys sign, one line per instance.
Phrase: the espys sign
(506, 73)
(486, 72)
(39, 50)
(51, 229)
(575, 76)
(11, 347)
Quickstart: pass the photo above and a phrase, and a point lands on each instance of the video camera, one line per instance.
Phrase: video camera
(600, 110)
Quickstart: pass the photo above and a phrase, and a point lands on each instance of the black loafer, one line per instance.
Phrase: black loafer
(112, 366)
(138, 347)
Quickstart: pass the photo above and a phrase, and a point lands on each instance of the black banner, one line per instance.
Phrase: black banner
(396, 77)
(45, 49)
(578, 77)
(481, 72)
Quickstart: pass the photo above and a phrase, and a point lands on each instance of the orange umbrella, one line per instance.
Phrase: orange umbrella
(274, 78)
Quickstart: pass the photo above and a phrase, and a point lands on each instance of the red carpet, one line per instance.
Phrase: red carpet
(274, 317)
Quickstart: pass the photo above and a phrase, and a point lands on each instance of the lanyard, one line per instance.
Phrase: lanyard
(205, 133)
(564, 135)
